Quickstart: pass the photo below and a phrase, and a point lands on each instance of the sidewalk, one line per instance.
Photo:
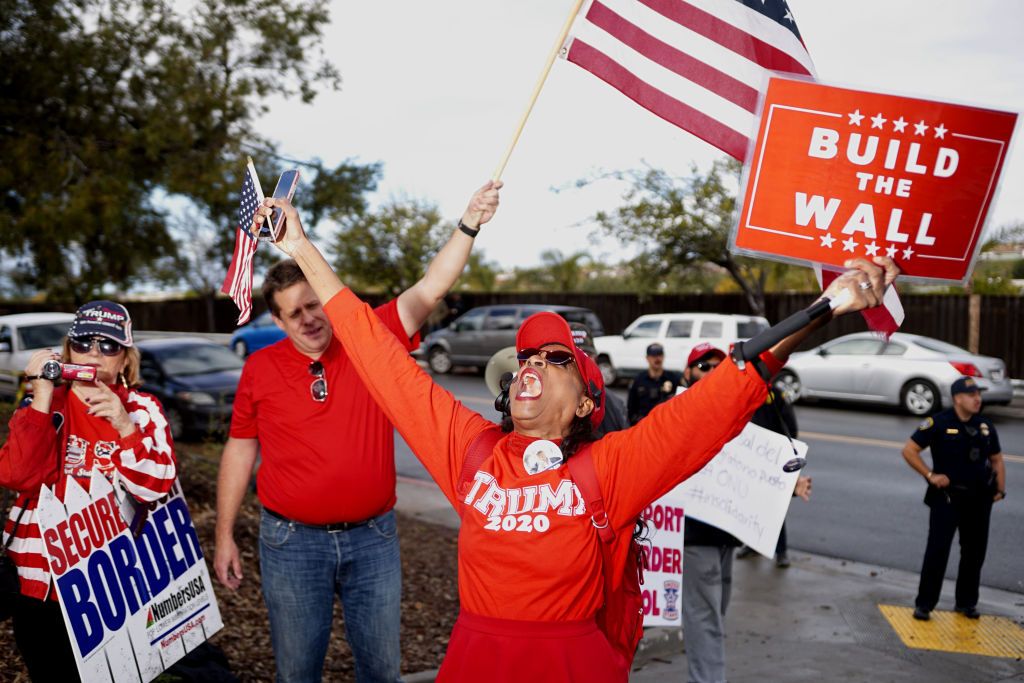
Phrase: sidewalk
(819, 620)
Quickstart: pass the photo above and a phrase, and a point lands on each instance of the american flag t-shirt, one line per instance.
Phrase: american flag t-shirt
(698, 64)
(238, 282)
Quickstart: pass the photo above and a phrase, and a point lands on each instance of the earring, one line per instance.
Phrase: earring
(124, 380)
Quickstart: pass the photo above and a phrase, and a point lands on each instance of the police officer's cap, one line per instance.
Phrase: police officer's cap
(965, 385)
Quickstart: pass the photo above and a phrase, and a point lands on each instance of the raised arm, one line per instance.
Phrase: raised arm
(681, 435)
(436, 426)
(416, 303)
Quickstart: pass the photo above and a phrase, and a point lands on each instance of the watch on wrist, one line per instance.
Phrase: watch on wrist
(472, 232)
(1002, 493)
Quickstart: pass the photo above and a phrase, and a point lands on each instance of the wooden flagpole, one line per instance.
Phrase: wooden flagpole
(536, 90)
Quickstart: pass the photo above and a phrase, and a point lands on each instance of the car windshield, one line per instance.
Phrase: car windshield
(42, 336)
(939, 346)
(196, 359)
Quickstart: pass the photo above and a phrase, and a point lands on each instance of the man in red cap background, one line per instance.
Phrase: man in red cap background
(708, 551)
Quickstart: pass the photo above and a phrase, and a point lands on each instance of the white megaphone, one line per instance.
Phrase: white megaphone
(500, 363)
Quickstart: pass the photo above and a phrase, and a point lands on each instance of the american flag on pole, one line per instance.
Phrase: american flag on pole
(238, 282)
(701, 65)
(698, 64)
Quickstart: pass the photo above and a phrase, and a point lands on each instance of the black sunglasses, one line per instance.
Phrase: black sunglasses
(108, 347)
(554, 356)
(704, 366)
(318, 389)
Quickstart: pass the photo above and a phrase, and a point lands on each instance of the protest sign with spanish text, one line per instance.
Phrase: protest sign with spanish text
(743, 490)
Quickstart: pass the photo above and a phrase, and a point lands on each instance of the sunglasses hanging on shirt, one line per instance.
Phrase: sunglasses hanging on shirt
(318, 389)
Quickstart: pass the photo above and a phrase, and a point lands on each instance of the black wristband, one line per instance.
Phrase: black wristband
(472, 232)
(29, 378)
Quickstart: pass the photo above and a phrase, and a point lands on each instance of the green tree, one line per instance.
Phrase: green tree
(106, 104)
(387, 250)
(678, 223)
(480, 275)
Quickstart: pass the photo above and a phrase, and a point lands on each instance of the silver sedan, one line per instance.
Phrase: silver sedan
(909, 370)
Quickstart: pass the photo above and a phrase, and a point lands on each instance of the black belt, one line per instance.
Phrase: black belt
(333, 526)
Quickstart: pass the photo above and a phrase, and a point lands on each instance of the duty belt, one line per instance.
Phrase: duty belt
(333, 526)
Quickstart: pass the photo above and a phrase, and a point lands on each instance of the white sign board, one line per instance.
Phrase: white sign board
(663, 577)
(743, 490)
(132, 606)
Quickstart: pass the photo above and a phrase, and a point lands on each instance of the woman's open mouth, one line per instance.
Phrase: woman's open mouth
(530, 385)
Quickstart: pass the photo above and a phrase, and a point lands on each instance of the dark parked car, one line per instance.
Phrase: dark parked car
(259, 332)
(481, 332)
(194, 379)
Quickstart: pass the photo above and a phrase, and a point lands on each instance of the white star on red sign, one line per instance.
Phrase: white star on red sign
(899, 124)
(855, 117)
(849, 244)
(920, 128)
(940, 131)
(908, 252)
(827, 240)
(871, 249)
(877, 121)
(890, 251)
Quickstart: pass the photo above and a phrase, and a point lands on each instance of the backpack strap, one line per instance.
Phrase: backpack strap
(481, 447)
(581, 469)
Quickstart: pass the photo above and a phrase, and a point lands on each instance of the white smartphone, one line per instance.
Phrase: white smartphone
(285, 189)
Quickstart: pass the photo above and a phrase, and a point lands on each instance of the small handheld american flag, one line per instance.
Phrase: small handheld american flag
(238, 282)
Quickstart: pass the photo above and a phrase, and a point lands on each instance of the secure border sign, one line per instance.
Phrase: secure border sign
(837, 174)
(132, 606)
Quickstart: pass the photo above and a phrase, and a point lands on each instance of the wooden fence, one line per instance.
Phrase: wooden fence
(940, 316)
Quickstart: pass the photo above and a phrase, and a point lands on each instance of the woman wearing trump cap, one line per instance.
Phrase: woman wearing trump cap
(97, 422)
(530, 561)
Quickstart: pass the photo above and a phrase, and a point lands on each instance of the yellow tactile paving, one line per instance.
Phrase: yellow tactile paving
(951, 632)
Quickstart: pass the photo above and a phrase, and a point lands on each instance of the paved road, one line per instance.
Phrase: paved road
(867, 503)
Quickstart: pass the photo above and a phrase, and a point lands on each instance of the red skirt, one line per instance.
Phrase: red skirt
(500, 650)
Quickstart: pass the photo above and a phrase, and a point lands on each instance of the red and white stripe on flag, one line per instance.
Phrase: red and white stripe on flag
(886, 318)
(698, 64)
(238, 281)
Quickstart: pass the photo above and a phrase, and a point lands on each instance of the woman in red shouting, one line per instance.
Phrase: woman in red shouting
(530, 561)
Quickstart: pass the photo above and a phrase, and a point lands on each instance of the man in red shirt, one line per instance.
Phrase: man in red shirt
(327, 473)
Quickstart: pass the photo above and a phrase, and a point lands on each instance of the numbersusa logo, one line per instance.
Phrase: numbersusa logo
(176, 603)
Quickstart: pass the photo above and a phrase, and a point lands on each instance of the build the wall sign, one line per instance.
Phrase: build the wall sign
(837, 174)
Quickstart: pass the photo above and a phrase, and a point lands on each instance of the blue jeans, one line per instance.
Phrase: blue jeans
(302, 570)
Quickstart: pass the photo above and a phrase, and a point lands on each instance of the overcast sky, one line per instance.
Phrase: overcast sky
(434, 90)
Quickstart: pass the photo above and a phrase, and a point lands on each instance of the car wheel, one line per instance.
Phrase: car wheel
(607, 370)
(176, 423)
(920, 397)
(439, 361)
(240, 348)
(788, 384)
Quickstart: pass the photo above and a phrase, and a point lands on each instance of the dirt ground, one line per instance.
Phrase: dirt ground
(429, 600)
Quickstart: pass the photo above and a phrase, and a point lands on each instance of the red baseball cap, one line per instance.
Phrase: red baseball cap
(550, 328)
(701, 351)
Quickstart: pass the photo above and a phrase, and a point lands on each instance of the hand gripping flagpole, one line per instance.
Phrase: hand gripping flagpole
(744, 351)
(536, 90)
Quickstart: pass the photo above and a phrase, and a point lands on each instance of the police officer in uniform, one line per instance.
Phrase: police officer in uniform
(967, 476)
(652, 386)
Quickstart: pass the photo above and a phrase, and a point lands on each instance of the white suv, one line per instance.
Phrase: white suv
(624, 356)
(21, 335)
